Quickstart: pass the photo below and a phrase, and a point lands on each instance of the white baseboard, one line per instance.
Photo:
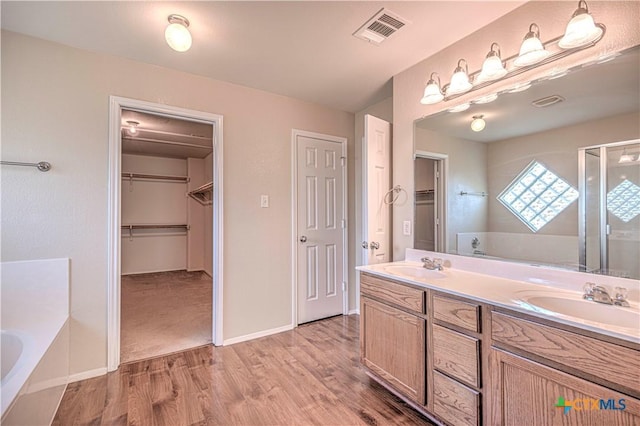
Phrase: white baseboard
(89, 374)
(252, 336)
(354, 312)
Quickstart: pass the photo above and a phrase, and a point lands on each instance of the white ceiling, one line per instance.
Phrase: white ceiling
(303, 49)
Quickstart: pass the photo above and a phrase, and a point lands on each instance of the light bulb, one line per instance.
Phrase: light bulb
(531, 51)
(432, 92)
(492, 67)
(581, 29)
(133, 127)
(459, 80)
(177, 33)
(478, 123)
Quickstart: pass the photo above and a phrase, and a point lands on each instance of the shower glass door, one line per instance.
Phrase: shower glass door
(609, 231)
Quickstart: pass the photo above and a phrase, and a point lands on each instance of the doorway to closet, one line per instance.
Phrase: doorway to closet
(165, 230)
(166, 244)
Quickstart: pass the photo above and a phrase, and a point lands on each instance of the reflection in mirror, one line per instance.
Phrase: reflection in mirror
(514, 188)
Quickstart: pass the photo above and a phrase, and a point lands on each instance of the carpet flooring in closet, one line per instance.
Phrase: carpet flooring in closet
(164, 312)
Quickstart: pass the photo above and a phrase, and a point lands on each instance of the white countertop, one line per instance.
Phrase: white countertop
(515, 293)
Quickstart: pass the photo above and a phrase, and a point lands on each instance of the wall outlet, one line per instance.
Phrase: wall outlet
(264, 201)
(406, 227)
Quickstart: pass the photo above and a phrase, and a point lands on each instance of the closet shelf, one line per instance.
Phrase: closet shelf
(203, 194)
(154, 226)
(132, 176)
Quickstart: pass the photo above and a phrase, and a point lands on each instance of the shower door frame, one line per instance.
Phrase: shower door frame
(603, 225)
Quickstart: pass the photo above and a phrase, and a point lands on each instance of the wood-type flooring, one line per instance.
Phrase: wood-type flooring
(308, 376)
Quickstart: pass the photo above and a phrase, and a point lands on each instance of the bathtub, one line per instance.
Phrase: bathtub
(34, 339)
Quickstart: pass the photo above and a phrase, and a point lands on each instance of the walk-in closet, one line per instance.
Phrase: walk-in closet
(425, 170)
(166, 235)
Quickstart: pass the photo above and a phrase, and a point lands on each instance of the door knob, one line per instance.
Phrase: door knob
(375, 245)
(303, 239)
(365, 245)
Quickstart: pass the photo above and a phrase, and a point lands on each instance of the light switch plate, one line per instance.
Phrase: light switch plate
(264, 201)
(406, 227)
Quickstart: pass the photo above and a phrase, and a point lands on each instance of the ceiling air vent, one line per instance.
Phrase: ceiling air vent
(382, 26)
(548, 101)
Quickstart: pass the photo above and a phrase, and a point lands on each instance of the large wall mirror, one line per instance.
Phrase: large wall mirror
(553, 178)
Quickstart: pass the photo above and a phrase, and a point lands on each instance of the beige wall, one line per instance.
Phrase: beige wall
(55, 107)
(466, 172)
(621, 19)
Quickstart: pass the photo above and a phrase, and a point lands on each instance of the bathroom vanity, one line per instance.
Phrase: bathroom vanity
(469, 349)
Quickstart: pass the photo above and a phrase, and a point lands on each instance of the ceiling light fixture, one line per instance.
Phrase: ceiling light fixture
(132, 128)
(459, 80)
(531, 51)
(492, 67)
(177, 33)
(478, 123)
(581, 29)
(432, 92)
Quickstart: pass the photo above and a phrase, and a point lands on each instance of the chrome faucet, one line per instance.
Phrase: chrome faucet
(600, 294)
(432, 264)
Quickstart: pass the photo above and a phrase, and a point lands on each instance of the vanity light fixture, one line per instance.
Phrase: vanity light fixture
(581, 29)
(460, 80)
(557, 73)
(625, 158)
(581, 33)
(520, 87)
(432, 92)
(177, 33)
(531, 51)
(460, 108)
(492, 67)
(133, 127)
(478, 123)
(486, 99)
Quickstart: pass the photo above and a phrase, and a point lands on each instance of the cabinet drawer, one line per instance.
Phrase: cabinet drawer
(607, 361)
(457, 355)
(455, 312)
(455, 403)
(395, 293)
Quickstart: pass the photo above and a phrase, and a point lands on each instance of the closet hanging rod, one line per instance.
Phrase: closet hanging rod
(43, 166)
(159, 177)
(477, 194)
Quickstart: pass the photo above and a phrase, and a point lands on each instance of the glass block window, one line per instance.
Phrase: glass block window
(537, 195)
(623, 201)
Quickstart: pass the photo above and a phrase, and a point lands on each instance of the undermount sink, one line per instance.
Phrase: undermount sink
(414, 271)
(573, 306)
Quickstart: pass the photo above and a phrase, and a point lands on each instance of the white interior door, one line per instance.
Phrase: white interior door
(376, 183)
(320, 227)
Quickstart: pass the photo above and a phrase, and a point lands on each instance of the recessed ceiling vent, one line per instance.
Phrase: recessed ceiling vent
(382, 26)
(548, 101)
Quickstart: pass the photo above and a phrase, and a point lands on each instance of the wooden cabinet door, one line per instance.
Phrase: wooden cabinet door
(524, 392)
(392, 345)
